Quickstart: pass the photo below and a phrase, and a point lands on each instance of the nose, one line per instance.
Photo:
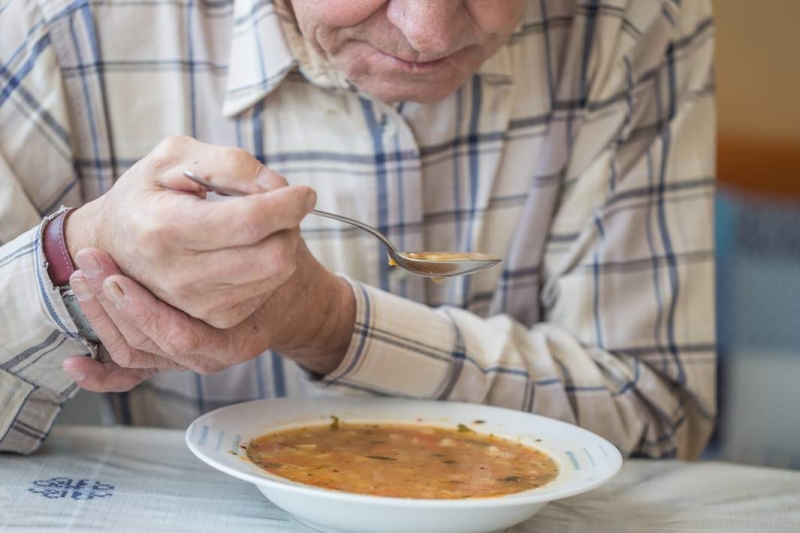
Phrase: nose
(431, 27)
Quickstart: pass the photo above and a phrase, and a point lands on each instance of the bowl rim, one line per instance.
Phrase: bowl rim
(527, 497)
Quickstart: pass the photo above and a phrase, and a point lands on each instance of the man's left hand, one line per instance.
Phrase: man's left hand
(309, 319)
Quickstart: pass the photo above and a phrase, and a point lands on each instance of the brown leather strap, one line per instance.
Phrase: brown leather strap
(59, 262)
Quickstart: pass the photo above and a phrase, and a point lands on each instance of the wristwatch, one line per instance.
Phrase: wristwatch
(60, 267)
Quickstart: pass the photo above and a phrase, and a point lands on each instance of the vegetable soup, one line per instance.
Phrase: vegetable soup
(403, 461)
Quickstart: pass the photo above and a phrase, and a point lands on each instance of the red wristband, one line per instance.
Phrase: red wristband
(59, 262)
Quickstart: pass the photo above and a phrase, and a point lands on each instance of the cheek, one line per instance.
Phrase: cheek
(335, 13)
(496, 16)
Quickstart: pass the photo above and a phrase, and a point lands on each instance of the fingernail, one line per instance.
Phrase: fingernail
(90, 267)
(265, 179)
(311, 199)
(115, 293)
(80, 288)
(75, 373)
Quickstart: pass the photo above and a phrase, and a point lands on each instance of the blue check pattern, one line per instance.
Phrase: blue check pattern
(582, 153)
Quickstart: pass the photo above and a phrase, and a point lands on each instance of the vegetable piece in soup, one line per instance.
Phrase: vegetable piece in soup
(402, 461)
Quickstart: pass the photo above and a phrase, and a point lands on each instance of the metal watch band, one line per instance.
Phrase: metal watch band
(81, 322)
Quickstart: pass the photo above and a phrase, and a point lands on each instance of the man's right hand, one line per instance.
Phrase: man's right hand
(216, 261)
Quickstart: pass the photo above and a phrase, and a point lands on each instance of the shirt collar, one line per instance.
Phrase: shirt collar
(267, 45)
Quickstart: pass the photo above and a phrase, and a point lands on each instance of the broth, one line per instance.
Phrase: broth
(402, 461)
(448, 256)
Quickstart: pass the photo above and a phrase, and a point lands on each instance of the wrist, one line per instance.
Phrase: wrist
(317, 333)
(79, 230)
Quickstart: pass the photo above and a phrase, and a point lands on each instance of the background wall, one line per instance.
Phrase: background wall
(758, 94)
(758, 42)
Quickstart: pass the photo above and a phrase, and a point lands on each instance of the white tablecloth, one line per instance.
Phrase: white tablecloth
(122, 479)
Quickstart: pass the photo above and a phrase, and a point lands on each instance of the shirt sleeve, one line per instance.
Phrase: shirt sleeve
(36, 175)
(626, 344)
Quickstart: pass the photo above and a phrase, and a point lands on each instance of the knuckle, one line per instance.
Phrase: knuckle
(147, 233)
(205, 310)
(269, 179)
(251, 229)
(171, 145)
(151, 325)
(278, 180)
(238, 156)
(140, 344)
(222, 321)
(232, 317)
(308, 197)
(179, 292)
(301, 200)
(181, 342)
(121, 354)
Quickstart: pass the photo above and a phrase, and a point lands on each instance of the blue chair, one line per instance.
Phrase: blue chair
(758, 321)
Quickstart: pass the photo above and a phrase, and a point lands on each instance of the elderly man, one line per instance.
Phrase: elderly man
(573, 138)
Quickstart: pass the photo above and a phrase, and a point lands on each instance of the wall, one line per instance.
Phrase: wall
(758, 90)
(758, 42)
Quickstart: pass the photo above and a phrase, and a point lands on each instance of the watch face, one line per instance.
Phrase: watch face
(81, 322)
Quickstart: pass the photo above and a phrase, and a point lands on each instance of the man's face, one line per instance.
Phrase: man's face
(415, 50)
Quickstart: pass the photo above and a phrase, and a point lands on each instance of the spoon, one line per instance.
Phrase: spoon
(436, 265)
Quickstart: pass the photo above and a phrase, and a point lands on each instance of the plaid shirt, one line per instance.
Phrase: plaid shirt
(582, 153)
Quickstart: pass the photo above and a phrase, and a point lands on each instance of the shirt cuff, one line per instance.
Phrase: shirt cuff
(36, 331)
(398, 347)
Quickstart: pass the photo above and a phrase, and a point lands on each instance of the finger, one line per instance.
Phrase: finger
(107, 376)
(226, 317)
(251, 267)
(224, 165)
(97, 265)
(146, 352)
(186, 340)
(245, 220)
(116, 345)
(126, 345)
(265, 180)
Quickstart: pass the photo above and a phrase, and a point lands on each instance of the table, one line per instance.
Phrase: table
(133, 479)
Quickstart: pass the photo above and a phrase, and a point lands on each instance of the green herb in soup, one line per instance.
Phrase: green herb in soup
(402, 461)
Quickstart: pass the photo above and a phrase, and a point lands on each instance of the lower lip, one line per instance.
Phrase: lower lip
(407, 66)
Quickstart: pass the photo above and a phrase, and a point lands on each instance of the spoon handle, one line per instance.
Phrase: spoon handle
(359, 225)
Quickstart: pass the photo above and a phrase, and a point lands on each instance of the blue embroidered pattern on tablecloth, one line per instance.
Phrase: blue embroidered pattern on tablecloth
(64, 487)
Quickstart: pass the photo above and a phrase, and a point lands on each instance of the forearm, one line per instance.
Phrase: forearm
(402, 348)
(36, 335)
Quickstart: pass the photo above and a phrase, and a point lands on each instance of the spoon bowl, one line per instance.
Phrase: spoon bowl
(439, 265)
(435, 265)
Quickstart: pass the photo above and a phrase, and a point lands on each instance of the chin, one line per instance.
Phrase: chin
(421, 93)
(393, 96)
